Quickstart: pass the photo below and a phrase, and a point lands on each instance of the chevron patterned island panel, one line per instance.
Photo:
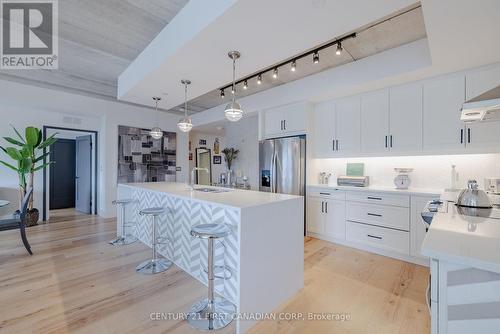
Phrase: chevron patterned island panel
(266, 245)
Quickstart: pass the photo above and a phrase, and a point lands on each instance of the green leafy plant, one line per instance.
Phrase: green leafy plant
(28, 156)
(230, 154)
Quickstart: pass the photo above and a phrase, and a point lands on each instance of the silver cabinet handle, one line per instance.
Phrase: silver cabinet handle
(284, 124)
(374, 236)
(375, 198)
(468, 135)
(385, 141)
(333, 144)
(337, 143)
(391, 141)
(322, 207)
(325, 194)
(326, 207)
(461, 136)
(374, 214)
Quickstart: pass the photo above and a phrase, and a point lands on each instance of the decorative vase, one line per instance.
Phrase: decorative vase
(32, 217)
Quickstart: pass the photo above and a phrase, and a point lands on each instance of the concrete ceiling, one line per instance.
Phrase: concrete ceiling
(195, 44)
(400, 28)
(97, 41)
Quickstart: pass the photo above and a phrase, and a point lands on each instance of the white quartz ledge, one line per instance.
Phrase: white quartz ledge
(379, 189)
(469, 241)
(235, 198)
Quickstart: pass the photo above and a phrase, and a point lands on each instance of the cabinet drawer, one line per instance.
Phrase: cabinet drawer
(326, 193)
(381, 215)
(379, 198)
(379, 237)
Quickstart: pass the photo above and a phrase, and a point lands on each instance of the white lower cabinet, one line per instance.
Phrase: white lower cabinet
(384, 222)
(379, 237)
(326, 216)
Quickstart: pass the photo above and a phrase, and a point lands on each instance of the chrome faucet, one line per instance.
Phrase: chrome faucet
(191, 185)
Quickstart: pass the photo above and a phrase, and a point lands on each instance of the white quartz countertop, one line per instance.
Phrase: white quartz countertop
(233, 198)
(392, 190)
(470, 241)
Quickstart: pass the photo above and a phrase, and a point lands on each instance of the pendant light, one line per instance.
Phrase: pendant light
(233, 110)
(185, 124)
(156, 132)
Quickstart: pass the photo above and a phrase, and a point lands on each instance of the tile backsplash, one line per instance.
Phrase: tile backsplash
(430, 171)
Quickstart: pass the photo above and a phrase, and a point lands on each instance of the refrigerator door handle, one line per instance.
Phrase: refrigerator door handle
(275, 172)
(272, 173)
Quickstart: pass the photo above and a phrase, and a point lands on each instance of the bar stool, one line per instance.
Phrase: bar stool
(156, 264)
(211, 313)
(124, 238)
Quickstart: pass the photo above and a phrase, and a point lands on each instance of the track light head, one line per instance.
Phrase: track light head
(316, 57)
(275, 73)
(245, 84)
(338, 52)
(293, 67)
(222, 94)
(259, 79)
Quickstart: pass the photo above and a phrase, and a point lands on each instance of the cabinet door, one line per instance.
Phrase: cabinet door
(375, 121)
(315, 219)
(348, 125)
(324, 134)
(487, 134)
(335, 219)
(273, 122)
(295, 118)
(443, 99)
(481, 80)
(405, 118)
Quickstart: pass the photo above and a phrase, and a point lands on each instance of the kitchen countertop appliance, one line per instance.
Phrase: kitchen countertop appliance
(473, 197)
(282, 166)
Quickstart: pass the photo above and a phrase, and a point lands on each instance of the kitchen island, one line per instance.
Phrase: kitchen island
(265, 252)
(464, 294)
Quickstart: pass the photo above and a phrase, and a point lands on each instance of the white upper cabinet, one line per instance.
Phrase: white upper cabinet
(286, 120)
(483, 135)
(324, 129)
(405, 118)
(375, 121)
(348, 126)
(443, 99)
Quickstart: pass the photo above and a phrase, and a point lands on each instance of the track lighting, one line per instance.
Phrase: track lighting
(294, 66)
(275, 73)
(233, 110)
(315, 57)
(259, 79)
(339, 49)
(222, 95)
(245, 84)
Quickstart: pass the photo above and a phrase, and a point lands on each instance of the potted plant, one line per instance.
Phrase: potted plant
(29, 157)
(230, 154)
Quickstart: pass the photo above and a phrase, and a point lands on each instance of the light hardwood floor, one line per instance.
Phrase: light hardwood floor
(76, 283)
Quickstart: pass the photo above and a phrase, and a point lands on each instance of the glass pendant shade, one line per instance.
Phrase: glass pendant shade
(185, 124)
(233, 111)
(156, 133)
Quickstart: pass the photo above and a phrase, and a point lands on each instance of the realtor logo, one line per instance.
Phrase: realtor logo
(29, 37)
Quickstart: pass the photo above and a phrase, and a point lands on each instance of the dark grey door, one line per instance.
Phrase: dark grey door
(83, 178)
(62, 175)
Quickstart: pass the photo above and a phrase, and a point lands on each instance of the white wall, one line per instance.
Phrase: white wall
(431, 172)
(24, 105)
(243, 135)
(195, 137)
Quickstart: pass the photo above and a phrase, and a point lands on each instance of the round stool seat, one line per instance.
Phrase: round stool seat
(211, 230)
(152, 211)
(123, 201)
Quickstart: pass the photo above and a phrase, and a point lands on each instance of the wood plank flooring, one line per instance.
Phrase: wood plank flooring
(76, 283)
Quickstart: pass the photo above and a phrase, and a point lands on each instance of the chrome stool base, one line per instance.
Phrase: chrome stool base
(222, 312)
(124, 240)
(155, 266)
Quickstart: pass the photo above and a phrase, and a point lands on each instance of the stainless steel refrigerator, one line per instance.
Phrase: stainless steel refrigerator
(283, 165)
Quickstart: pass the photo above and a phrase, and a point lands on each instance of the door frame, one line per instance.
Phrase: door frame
(209, 163)
(45, 186)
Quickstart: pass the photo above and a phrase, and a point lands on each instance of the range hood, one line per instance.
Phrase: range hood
(485, 107)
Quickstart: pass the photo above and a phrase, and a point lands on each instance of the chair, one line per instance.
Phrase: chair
(19, 218)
